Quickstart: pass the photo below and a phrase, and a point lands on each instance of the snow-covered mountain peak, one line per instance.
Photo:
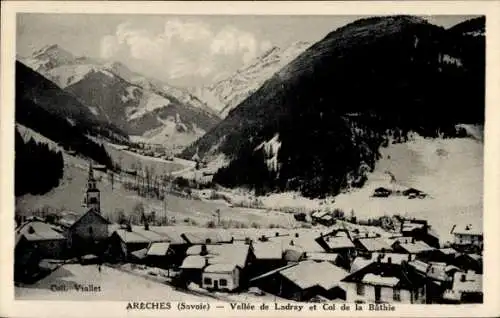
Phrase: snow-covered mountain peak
(226, 94)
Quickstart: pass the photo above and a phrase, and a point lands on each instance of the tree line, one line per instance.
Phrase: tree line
(38, 169)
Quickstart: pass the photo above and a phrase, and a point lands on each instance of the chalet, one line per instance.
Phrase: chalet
(123, 241)
(127, 239)
(467, 262)
(239, 255)
(412, 193)
(158, 254)
(177, 245)
(369, 245)
(224, 277)
(392, 258)
(207, 237)
(268, 255)
(467, 287)
(412, 247)
(333, 258)
(441, 255)
(420, 231)
(36, 240)
(192, 269)
(386, 282)
(381, 192)
(304, 281)
(467, 238)
(341, 245)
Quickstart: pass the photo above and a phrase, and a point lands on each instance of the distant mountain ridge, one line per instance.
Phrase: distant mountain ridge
(316, 125)
(58, 115)
(226, 94)
(138, 105)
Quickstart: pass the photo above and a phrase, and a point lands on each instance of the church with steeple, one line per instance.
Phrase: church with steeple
(92, 197)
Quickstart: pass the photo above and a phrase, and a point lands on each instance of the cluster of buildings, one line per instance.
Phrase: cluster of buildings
(346, 262)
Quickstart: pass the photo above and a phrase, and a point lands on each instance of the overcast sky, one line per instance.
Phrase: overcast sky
(181, 50)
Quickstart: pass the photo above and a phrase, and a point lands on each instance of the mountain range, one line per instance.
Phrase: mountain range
(226, 94)
(144, 108)
(318, 123)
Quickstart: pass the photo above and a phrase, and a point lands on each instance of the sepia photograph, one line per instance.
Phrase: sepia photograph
(294, 160)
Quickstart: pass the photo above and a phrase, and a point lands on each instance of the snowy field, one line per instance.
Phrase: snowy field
(116, 285)
(113, 285)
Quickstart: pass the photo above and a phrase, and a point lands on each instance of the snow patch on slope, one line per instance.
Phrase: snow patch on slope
(271, 149)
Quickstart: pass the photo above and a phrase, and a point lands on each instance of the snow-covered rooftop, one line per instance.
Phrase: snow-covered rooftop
(193, 262)
(39, 231)
(158, 249)
(378, 280)
(267, 250)
(310, 273)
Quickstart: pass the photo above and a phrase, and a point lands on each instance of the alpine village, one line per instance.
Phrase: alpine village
(334, 210)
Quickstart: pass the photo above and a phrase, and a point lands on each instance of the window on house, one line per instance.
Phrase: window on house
(207, 281)
(396, 294)
(223, 282)
(360, 289)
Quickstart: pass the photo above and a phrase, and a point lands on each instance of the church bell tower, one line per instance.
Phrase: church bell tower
(92, 199)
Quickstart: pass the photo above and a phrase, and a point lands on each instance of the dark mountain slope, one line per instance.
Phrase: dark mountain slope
(34, 87)
(335, 104)
(45, 108)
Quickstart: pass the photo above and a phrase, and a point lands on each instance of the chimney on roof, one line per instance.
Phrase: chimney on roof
(389, 260)
(296, 234)
(413, 240)
(462, 278)
(204, 250)
(366, 234)
(206, 261)
(292, 243)
(409, 257)
(277, 234)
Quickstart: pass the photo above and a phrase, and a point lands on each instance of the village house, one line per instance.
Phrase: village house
(36, 240)
(442, 255)
(467, 288)
(223, 277)
(439, 278)
(467, 262)
(323, 217)
(420, 231)
(394, 258)
(381, 282)
(177, 245)
(340, 244)
(369, 245)
(467, 238)
(207, 237)
(158, 254)
(304, 281)
(239, 257)
(413, 193)
(127, 239)
(191, 269)
(268, 256)
(333, 258)
(411, 246)
(381, 192)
